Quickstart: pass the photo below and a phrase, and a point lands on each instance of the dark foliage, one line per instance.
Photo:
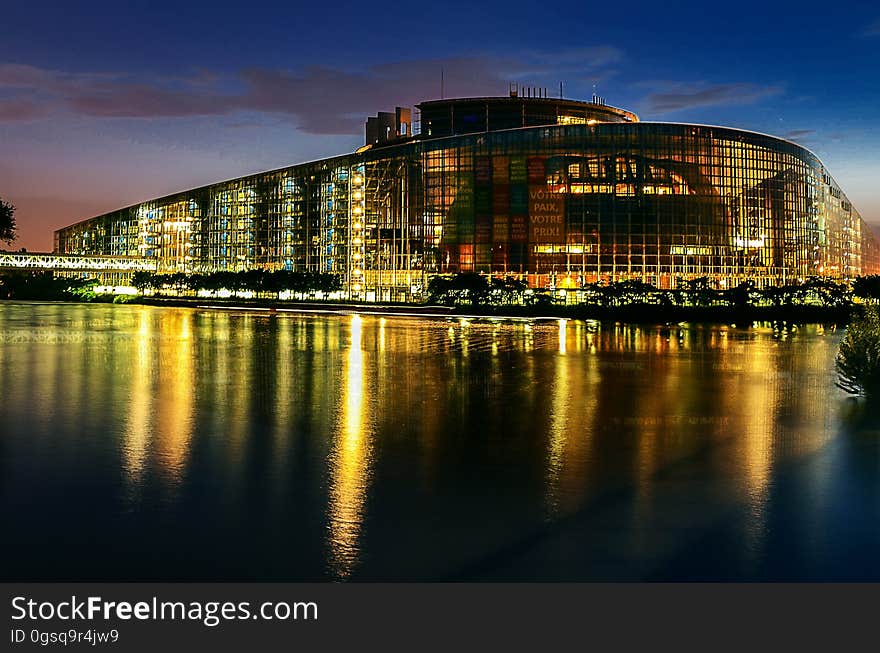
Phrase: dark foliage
(471, 289)
(858, 361)
(867, 288)
(44, 286)
(7, 222)
(270, 282)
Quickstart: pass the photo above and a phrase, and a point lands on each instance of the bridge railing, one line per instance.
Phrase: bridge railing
(74, 262)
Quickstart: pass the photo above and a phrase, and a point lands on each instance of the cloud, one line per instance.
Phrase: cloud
(111, 100)
(798, 134)
(680, 97)
(15, 110)
(873, 29)
(319, 99)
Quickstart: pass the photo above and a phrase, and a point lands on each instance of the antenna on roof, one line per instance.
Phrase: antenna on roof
(442, 80)
(560, 90)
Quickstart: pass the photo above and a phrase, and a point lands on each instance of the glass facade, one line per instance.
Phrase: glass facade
(560, 205)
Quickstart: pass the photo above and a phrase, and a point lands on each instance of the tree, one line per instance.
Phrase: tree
(507, 291)
(142, 280)
(867, 288)
(470, 287)
(742, 296)
(595, 293)
(698, 292)
(459, 289)
(826, 292)
(858, 361)
(438, 290)
(7, 222)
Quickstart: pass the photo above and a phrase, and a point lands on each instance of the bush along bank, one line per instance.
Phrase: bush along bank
(858, 362)
(46, 286)
(816, 299)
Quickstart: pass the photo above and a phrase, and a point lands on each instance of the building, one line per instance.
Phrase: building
(559, 192)
(386, 126)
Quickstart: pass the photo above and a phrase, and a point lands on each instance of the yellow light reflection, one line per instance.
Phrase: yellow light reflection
(572, 411)
(159, 423)
(562, 336)
(285, 382)
(349, 464)
(174, 394)
(137, 431)
(559, 432)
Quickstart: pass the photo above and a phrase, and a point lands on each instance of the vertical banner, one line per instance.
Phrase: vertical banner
(518, 230)
(499, 258)
(464, 207)
(546, 216)
(519, 200)
(500, 198)
(483, 209)
(518, 170)
(500, 228)
(501, 169)
(450, 227)
(483, 200)
(484, 228)
(483, 257)
(537, 171)
(483, 170)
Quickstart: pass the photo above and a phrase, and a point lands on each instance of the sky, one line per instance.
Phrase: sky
(106, 104)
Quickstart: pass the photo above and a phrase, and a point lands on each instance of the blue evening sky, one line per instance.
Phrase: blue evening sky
(103, 104)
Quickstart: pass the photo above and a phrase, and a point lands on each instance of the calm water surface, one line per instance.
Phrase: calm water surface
(145, 443)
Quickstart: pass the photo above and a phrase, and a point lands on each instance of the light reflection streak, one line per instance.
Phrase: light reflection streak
(283, 403)
(559, 428)
(758, 402)
(234, 397)
(159, 417)
(573, 403)
(138, 430)
(559, 425)
(562, 336)
(174, 395)
(349, 464)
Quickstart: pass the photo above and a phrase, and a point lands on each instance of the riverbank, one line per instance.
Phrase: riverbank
(816, 300)
(635, 314)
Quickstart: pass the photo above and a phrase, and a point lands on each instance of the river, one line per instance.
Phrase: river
(147, 443)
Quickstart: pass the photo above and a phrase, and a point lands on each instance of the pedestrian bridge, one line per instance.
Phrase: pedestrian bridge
(36, 262)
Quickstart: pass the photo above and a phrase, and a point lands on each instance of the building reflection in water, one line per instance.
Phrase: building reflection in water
(560, 431)
(160, 415)
(388, 448)
(282, 400)
(175, 391)
(563, 336)
(349, 462)
(138, 430)
(571, 420)
(755, 396)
